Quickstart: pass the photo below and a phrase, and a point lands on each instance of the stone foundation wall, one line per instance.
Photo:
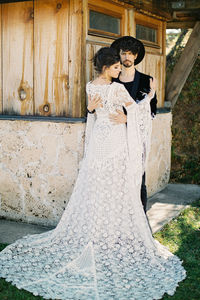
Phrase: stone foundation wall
(159, 162)
(38, 168)
(39, 165)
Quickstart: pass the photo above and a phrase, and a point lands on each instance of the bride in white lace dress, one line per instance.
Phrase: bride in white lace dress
(102, 248)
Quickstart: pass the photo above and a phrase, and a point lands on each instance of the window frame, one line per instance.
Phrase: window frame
(150, 23)
(109, 12)
(151, 27)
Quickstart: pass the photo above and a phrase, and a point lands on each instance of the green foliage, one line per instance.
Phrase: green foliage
(185, 166)
(10, 292)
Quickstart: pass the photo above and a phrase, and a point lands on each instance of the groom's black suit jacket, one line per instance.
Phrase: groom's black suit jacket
(140, 85)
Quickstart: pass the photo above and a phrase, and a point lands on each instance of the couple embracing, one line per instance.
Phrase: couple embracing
(131, 52)
(102, 248)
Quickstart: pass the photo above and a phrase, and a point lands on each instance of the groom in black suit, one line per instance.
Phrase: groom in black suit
(132, 52)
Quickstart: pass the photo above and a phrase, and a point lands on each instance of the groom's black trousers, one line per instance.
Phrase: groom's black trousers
(144, 193)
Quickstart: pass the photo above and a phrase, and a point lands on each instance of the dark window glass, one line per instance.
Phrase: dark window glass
(146, 33)
(103, 22)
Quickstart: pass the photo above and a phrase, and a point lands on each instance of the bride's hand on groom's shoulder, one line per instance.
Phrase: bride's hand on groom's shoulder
(94, 102)
(153, 85)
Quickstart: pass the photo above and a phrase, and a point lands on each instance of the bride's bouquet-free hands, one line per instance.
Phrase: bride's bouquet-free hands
(94, 102)
(153, 85)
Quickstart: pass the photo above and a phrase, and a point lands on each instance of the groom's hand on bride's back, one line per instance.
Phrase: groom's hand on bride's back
(119, 118)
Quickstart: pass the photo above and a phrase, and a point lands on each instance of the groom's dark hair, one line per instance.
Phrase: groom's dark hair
(129, 45)
(105, 56)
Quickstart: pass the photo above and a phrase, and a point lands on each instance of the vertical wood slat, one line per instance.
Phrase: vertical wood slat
(164, 63)
(1, 96)
(51, 57)
(92, 48)
(76, 48)
(131, 26)
(17, 60)
(83, 59)
(89, 69)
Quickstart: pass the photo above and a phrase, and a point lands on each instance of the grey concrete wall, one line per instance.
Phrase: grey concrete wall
(39, 165)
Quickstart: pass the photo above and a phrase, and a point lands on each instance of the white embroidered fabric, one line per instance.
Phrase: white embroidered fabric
(102, 248)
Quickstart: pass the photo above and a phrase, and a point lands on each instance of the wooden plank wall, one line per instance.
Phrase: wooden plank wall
(76, 59)
(35, 57)
(17, 57)
(51, 57)
(44, 49)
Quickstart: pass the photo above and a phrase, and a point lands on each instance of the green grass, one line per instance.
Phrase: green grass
(181, 236)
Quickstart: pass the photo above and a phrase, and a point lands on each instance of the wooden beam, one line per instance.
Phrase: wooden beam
(180, 24)
(184, 66)
(154, 8)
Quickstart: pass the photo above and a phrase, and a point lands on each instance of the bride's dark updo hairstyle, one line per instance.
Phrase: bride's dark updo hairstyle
(105, 57)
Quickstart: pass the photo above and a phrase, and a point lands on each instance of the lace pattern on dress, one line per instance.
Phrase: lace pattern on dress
(102, 248)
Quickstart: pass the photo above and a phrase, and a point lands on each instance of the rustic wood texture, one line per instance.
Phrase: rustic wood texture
(49, 50)
(117, 7)
(163, 63)
(184, 66)
(180, 24)
(51, 57)
(17, 60)
(1, 98)
(83, 58)
(76, 59)
(131, 26)
(92, 48)
(158, 9)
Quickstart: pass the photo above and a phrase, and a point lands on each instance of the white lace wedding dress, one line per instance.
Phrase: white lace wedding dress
(102, 248)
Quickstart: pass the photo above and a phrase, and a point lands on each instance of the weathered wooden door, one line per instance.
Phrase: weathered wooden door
(17, 58)
(34, 58)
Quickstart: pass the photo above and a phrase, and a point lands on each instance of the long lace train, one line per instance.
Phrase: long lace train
(102, 248)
